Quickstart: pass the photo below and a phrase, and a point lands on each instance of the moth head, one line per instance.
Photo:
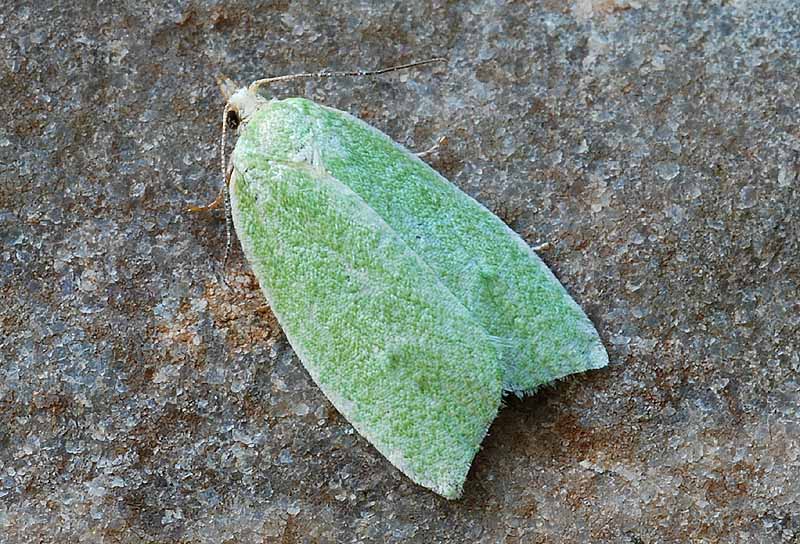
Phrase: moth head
(240, 103)
(241, 106)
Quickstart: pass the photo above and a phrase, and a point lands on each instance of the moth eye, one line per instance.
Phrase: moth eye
(232, 120)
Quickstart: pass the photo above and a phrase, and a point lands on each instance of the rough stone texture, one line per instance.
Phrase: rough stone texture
(654, 144)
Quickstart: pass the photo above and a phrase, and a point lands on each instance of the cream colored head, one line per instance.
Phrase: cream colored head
(241, 106)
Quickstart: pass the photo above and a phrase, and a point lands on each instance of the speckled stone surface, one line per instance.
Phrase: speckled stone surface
(655, 145)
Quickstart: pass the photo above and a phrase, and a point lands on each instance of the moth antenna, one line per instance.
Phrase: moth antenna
(357, 73)
(228, 223)
(225, 191)
(222, 142)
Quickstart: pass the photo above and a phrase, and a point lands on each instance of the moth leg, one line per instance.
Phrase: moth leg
(441, 141)
(546, 246)
(223, 199)
(212, 206)
(220, 200)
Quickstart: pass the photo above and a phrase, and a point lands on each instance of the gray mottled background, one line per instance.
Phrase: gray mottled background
(655, 144)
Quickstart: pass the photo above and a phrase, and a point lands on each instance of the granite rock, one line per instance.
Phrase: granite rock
(654, 145)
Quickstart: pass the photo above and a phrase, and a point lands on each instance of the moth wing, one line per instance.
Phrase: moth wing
(540, 330)
(391, 347)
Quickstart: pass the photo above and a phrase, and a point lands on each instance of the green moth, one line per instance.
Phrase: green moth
(412, 306)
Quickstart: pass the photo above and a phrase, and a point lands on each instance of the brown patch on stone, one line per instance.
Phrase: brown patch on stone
(526, 509)
(240, 310)
(582, 443)
(243, 311)
(508, 213)
(289, 536)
